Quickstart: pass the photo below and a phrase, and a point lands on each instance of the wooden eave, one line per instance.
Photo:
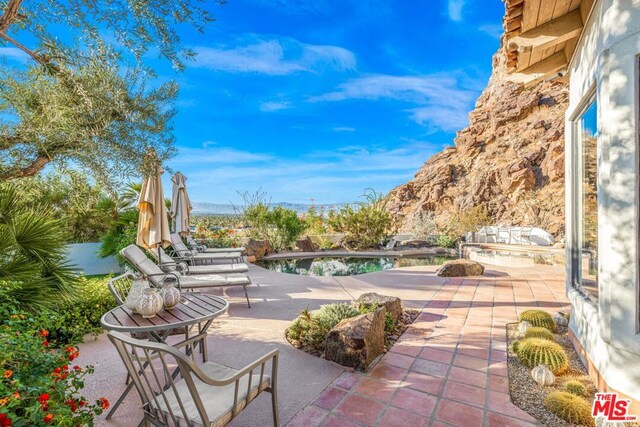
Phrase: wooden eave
(541, 35)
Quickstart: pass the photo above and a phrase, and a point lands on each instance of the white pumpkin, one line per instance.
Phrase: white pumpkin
(542, 375)
(523, 326)
(560, 320)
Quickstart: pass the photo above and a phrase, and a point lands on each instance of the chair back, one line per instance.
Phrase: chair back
(141, 262)
(120, 287)
(191, 240)
(152, 366)
(179, 246)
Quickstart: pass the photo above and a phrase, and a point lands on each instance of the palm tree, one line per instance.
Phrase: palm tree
(33, 268)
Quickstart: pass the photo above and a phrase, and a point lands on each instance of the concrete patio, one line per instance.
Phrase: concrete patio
(449, 368)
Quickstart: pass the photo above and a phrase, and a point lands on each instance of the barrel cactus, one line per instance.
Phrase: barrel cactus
(515, 346)
(569, 407)
(539, 318)
(535, 351)
(542, 375)
(560, 320)
(538, 332)
(523, 326)
(576, 387)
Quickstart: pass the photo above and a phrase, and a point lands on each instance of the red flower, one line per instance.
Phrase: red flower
(43, 398)
(72, 405)
(45, 343)
(104, 403)
(47, 418)
(57, 370)
(4, 420)
(77, 368)
(44, 333)
(82, 403)
(8, 373)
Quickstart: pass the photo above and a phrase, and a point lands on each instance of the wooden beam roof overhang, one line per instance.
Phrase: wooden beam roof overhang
(541, 35)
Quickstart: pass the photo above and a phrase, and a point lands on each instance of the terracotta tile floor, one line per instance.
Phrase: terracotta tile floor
(449, 368)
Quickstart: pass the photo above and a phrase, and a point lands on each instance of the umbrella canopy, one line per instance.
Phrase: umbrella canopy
(180, 205)
(153, 225)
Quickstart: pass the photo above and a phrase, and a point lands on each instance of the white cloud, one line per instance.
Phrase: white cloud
(344, 129)
(274, 106)
(13, 53)
(455, 9)
(493, 30)
(275, 57)
(438, 100)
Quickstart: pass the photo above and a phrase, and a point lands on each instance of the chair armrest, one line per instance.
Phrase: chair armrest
(168, 273)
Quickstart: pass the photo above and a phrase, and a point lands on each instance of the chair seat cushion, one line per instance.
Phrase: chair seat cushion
(217, 401)
(211, 280)
(219, 268)
(221, 255)
(223, 250)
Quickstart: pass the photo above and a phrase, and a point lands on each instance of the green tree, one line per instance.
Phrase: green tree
(83, 97)
(32, 253)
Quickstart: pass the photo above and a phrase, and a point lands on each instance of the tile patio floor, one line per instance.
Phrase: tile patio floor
(449, 368)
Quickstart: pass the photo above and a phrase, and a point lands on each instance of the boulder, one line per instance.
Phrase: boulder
(307, 245)
(258, 248)
(356, 342)
(393, 305)
(460, 268)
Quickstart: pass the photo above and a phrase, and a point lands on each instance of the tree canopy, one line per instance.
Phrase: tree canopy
(83, 95)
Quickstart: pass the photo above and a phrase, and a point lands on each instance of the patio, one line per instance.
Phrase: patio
(449, 368)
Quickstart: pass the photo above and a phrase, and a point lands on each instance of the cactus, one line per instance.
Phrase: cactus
(576, 387)
(542, 375)
(539, 318)
(538, 332)
(569, 407)
(534, 351)
(523, 326)
(515, 346)
(560, 320)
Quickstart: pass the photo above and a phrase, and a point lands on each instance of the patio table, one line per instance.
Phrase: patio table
(193, 309)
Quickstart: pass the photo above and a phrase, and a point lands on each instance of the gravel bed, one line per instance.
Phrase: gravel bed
(529, 396)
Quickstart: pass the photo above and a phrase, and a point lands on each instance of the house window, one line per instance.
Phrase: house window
(586, 132)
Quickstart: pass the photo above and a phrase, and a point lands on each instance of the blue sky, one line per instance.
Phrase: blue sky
(321, 99)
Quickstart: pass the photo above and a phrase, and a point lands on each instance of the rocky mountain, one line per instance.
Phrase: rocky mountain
(510, 159)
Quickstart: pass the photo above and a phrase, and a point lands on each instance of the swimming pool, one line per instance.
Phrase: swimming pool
(347, 266)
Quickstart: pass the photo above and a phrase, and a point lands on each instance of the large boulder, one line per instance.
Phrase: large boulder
(258, 248)
(460, 268)
(393, 305)
(306, 245)
(356, 342)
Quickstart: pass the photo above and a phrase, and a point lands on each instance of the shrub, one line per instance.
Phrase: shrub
(539, 318)
(280, 226)
(571, 408)
(576, 387)
(446, 241)
(318, 227)
(332, 314)
(389, 323)
(366, 224)
(535, 351)
(38, 386)
(463, 221)
(310, 329)
(538, 332)
(424, 225)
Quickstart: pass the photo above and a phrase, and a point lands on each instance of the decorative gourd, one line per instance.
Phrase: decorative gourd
(538, 332)
(539, 318)
(523, 326)
(576, 387)
(560, 320)
(170, 295)
(150, 303)
(569, 407)
(135, 293)
(535, 351)
(542, 375)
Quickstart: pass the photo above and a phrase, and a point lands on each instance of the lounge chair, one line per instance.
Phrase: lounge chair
(176, 262)
(156, 276)
(204, 248)
(193, 257)
(209, 394)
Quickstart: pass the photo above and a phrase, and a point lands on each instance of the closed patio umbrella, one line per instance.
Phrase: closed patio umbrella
(180, 205)
(153, 224)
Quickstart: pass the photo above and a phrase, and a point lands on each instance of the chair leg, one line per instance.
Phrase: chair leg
(247, 296)
(274, 404)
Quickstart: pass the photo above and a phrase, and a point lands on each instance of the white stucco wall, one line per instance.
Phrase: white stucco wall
(85, 258)
(605, 58)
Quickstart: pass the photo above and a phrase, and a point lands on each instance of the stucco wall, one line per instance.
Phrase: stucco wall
(605, 58)
(86, 260)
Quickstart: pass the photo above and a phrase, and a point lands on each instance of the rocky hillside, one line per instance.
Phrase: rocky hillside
(510, 159)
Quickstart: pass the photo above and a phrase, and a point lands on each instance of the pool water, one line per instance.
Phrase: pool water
(346, 266)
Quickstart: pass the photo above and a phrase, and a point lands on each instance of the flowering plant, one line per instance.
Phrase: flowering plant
(38, 383)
